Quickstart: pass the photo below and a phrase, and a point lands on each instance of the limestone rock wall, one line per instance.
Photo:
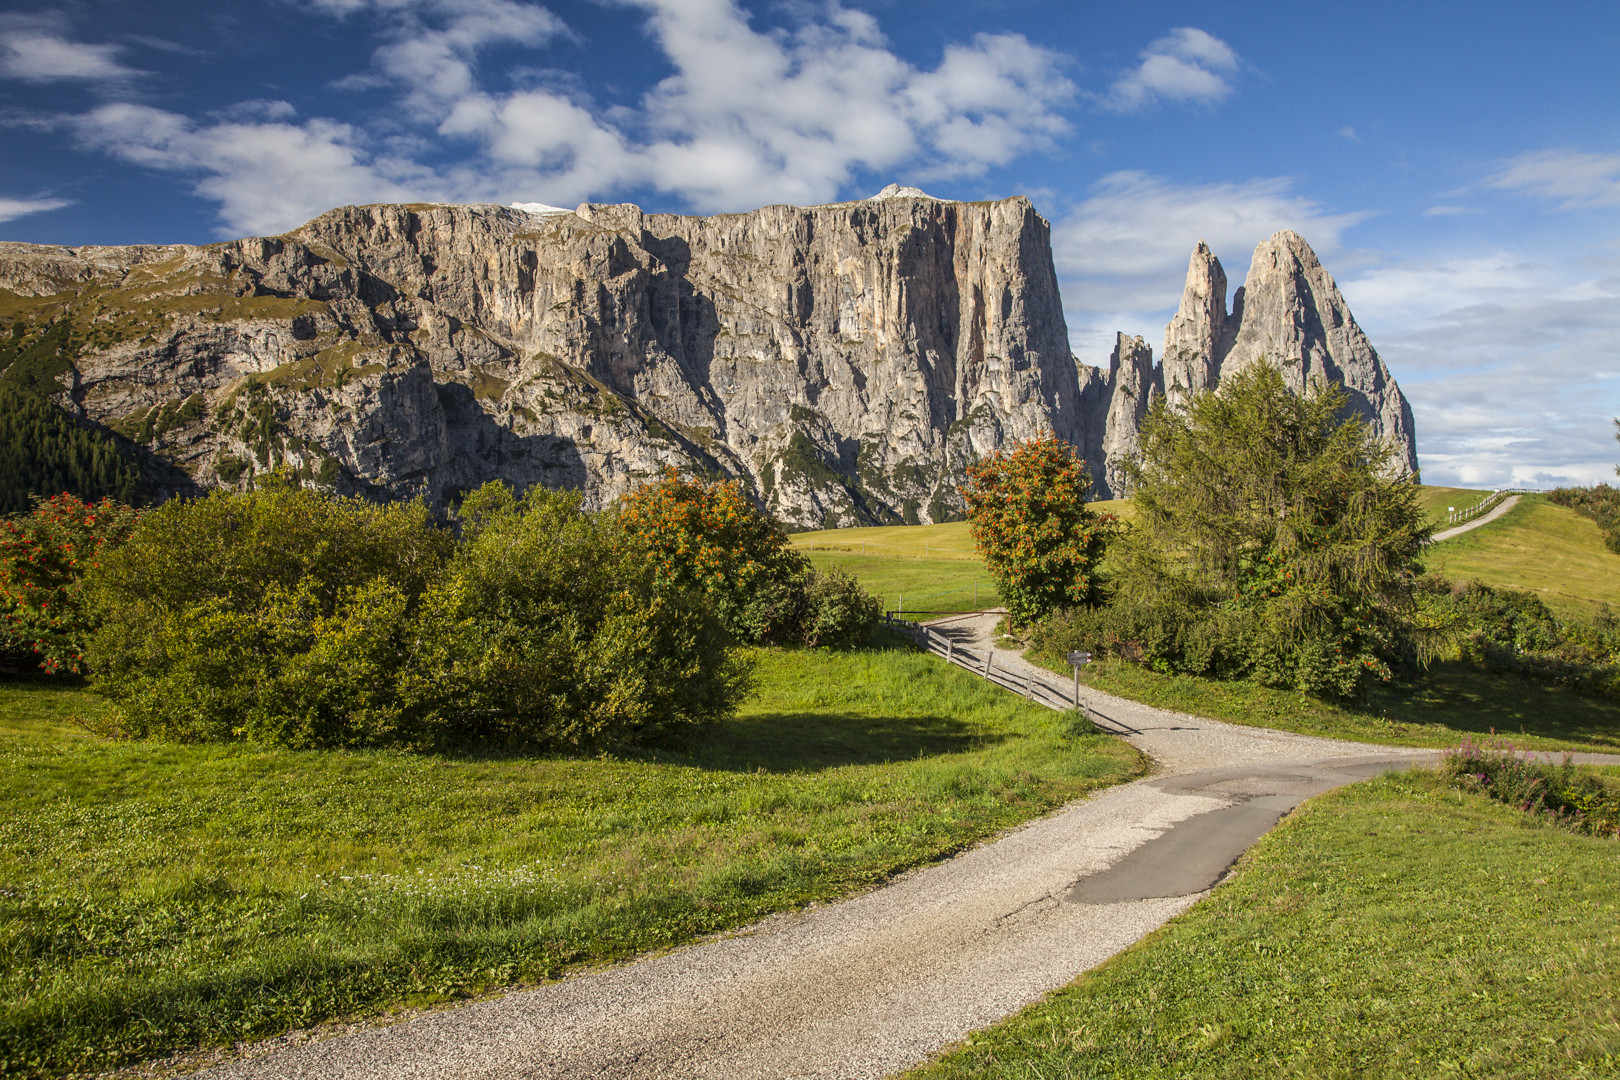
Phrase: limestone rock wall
(847, 362)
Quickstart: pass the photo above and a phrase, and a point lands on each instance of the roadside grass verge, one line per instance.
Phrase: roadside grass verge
(1551, 550)
(1435, 500)
(1395, 928)
(1437, 708)
(160, 897)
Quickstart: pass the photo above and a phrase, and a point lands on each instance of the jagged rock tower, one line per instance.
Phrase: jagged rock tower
(1289, 312)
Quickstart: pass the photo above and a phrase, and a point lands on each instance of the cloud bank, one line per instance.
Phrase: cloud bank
(745, 118)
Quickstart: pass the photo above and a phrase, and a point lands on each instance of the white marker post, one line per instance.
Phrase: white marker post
(1077, 660)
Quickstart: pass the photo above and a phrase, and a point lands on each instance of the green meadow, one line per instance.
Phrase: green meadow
(160, 897)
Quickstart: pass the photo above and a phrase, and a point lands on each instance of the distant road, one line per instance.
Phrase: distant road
(1507, 504)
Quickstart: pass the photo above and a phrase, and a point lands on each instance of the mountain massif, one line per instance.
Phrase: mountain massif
(847, 363)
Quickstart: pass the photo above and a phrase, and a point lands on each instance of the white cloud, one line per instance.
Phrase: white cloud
(1572, 178)
(16, 208)
(748, 118)
(266, 176)
(745, 118)
(1445, 210)
(1122, 252)
(1508, 362)
(1186, 65)
(1349, 133)
(33, 48)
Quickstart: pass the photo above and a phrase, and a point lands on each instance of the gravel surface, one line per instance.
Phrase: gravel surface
(1507, 504)
(873, 985)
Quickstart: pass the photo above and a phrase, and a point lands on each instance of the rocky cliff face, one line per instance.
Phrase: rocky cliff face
(1290, 313)
(847, 363)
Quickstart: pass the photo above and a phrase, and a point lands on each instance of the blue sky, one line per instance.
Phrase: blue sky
(1456, 166)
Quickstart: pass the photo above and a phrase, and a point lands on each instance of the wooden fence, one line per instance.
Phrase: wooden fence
(1457, 517)
(981, 664)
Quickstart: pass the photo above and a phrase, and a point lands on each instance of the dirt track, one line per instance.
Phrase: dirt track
(872, 985)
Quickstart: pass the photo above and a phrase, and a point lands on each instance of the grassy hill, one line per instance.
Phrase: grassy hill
(1548, 549)
(1436, 500)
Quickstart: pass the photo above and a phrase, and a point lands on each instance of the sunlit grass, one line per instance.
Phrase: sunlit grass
(157, 897)
(1551, 550)
(1392, 929)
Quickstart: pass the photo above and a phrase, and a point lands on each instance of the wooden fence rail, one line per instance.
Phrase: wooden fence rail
(1457, 517)
(981, 664)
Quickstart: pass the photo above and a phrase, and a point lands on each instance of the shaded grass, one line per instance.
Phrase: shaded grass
(159, 897)
(1396, 928)
(1551, 550)
(1450, 700)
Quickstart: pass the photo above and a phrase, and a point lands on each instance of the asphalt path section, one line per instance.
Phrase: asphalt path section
(881, 982)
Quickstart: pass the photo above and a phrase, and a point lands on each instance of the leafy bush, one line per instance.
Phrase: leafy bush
(1028, 514)
(1271, 540)
(43, 558)
(837, 611)
(1508, 630)
(553, 631)
(277, 616)
(1570, 796)
(706, 537)
(285, 617)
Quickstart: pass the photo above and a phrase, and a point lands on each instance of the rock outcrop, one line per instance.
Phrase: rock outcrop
(1132, 380)
(1290, 313)
(847, 363)
(1197, 336)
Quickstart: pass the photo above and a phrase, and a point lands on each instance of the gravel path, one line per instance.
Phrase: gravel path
(1507, 504)
(875, 984)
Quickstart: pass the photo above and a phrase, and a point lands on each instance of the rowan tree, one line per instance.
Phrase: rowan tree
(1030, 522)
(44, 555)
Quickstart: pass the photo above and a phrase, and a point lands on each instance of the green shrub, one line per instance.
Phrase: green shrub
(838, 612)
(1270, 540)
(553, 631)
(1507, 630)
(277, 616)
(706, 537)
(1571, 796)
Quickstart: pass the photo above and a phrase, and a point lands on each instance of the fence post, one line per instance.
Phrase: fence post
(988, 655)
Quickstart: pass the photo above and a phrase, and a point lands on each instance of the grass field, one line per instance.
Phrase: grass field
(1449, 701)
(159, 897)
(920, 568)
(1392, 929)
(1435, 500)
(1549, 549)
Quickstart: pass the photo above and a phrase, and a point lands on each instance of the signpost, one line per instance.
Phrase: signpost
(1077, 660)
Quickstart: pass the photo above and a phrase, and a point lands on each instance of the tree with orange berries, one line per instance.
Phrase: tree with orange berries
(707, 537)
(1030, 522)
(44, 555)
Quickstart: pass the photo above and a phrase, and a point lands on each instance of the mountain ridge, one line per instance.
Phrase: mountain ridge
(848, 363)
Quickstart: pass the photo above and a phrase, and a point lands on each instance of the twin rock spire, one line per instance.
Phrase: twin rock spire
(1288, 311)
